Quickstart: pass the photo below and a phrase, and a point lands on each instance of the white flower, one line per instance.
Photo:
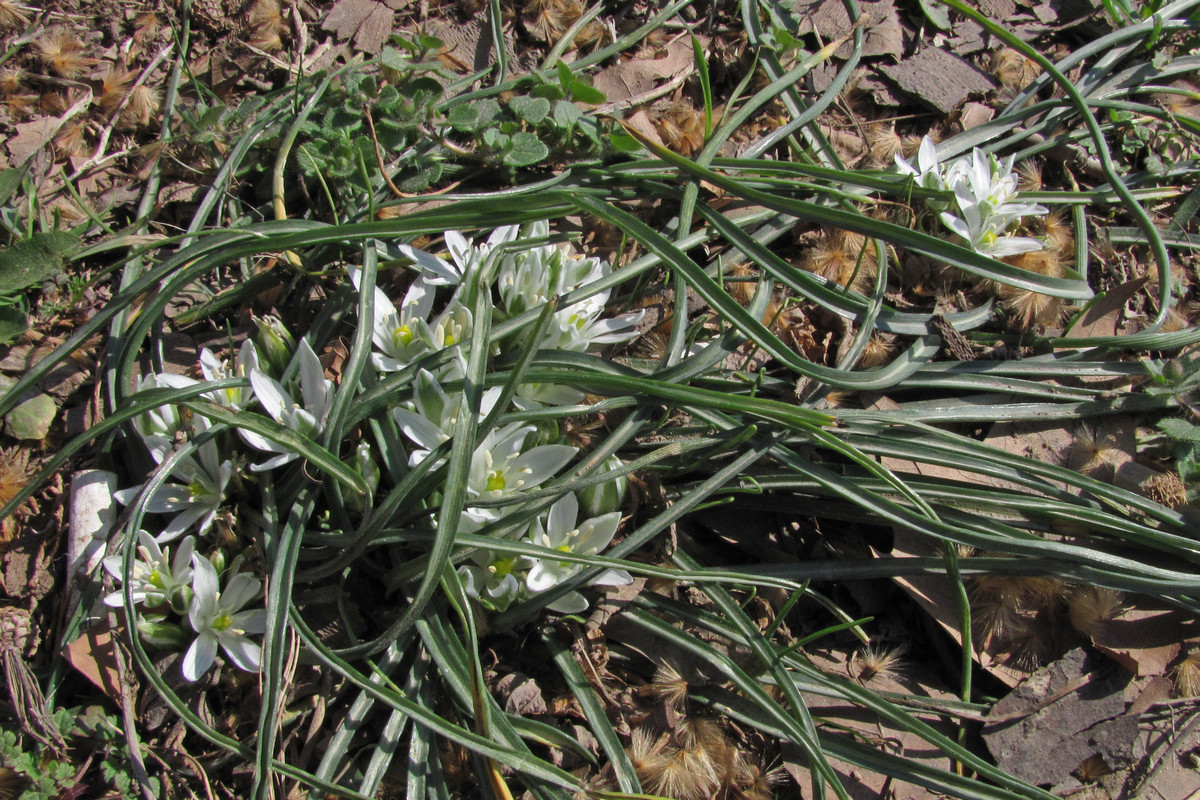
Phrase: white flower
(194, 492)
(530, 278)
(496, 581)
(926, 171)
(465, 257)
(984, 190)
(500, 469)
(563, 534)
(157, 578)
(307, 420)
(986, 234)
(163, 421)
(399, 335)
(216, 369)
(580, 326)
(218, 620)
(436, 414)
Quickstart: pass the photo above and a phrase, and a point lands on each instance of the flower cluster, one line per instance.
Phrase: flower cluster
(188, 592)
(514, 458)
(984, 189)
(191, 602)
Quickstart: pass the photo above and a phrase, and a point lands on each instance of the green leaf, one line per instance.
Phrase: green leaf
(566, 114)
(10, 179)
(13, 323)
(525, 149)
(392, 59)
(531, 109)
(494, 139)
(624, 143)
(1180, 430)
(586, 93)
(35, 259)
(549, 91)
(936, 15)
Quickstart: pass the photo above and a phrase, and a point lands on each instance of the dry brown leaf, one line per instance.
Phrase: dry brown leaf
(367, 22)
(31, 137)
(1105, 316)
(92, 654)
(637, 77)
(1144, 640)
(521, 695)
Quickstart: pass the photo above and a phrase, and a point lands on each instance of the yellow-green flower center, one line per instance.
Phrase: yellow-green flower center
(504, 565)
(496, 481)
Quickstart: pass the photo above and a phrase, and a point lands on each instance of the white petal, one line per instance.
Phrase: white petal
(543, 577)
(419, 429)
(570, 603)
(270, 393)
(435, 271)
(561, 519)
(613, 577)
(241, 589)
(200, 655)
(247, 655)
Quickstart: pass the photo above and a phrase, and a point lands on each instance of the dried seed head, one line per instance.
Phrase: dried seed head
(62, 52)
(885, 144)
(1003, 604)
(1092, 452)
(1029, 176)
(1059, 232)
(646, 751)
(146, 25)
(845, 258)
(740, 283)
(1012, 68)
(753, 782)
(668, 686)
(1168, 489)
(13, 15)
(681, 127)
(686, 773)
(879, 350)
(143, 105)
(877, 661)
(19, 105)
(114, 83)
(268, 27)
(71, 139)
(1033, 308)
(703, 733)
(1187, 675)
(1091, 607)
(12, 80)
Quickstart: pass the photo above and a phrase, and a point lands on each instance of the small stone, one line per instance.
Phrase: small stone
(31, 419)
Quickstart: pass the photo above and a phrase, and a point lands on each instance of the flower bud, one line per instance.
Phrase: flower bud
(606, 497)
(158, 633)
(362, 463)
(274, 343)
